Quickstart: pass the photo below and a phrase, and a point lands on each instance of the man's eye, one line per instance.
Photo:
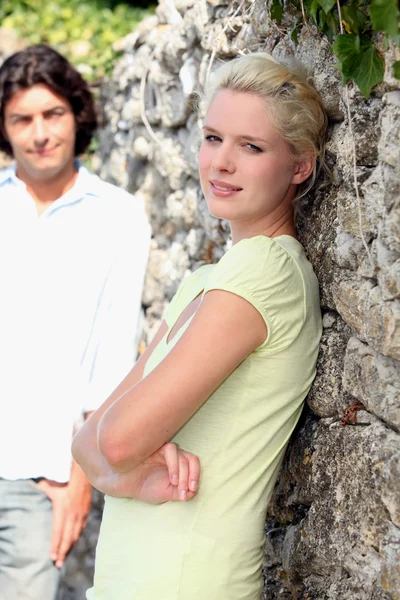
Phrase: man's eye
(55, 114)
(20, 120)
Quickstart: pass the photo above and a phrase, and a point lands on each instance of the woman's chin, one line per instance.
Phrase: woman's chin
(219, 212)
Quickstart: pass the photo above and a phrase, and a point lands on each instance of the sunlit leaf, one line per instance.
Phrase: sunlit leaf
(347, 26)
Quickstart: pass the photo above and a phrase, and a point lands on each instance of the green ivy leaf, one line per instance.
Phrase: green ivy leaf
(359, 60)
(293, 31)
(330, 28)
(311, 8)
(396, 69)
(327, 5)
(322, 19)
(276, 11)
(347, 54)
(385, 16)
(370, 71)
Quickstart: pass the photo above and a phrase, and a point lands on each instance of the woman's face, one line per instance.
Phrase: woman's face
(247, 172)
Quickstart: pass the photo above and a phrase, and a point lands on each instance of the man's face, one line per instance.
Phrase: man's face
(40, 127)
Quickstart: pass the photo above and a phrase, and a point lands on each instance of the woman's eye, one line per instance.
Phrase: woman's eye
(212, 138)
(253, 148)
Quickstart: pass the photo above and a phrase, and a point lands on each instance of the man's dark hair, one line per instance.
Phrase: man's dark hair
(40, 64)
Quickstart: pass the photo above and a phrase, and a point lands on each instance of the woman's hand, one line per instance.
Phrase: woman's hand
(166, 475)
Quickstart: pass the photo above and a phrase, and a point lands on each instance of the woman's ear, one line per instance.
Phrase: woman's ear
(304, 167)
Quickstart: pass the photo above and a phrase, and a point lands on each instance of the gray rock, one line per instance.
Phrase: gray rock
(374, 379)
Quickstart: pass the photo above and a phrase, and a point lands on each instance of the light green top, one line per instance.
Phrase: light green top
(211, 548)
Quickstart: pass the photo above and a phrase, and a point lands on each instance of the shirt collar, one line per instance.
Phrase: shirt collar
(8, 175)
(85, 184)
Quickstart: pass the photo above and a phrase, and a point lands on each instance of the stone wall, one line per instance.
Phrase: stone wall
(333, 525)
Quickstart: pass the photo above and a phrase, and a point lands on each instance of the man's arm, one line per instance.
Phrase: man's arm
(71, 506)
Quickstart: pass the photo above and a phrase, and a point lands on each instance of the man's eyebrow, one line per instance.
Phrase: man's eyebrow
(46, 110)
(244, 137)
(16, 114)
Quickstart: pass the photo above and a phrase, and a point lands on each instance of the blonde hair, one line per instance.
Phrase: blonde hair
(291, 100)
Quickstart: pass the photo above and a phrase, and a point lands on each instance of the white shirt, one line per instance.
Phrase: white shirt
(70, 294)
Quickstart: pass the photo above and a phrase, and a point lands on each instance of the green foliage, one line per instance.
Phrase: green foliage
(82, 30)
(276, 10)
(359, 60)
(358, 57)
(385, 16)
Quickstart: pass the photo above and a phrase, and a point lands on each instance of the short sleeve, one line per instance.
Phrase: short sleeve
(262, 272)
(190, 287)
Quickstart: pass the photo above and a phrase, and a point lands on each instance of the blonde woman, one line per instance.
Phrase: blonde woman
(221, 386)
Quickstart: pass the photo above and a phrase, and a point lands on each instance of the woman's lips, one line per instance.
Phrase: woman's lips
(222, 189)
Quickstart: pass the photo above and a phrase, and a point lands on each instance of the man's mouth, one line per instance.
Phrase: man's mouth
(42, 151)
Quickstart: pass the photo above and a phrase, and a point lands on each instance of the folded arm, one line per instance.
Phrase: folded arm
(143, 414)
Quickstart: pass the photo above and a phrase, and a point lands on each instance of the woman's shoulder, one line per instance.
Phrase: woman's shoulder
(260, 256)
(261, 245)
(271, 274)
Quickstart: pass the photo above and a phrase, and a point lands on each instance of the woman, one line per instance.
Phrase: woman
(223, 381)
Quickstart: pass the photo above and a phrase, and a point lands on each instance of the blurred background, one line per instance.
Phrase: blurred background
(85, 31)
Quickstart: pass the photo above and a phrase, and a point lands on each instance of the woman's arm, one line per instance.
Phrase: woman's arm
(85, 443)
(168, 474)
(224, 331)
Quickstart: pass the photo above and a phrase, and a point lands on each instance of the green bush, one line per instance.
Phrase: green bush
(82, 30)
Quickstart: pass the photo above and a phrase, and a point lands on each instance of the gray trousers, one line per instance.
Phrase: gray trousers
(26, 570)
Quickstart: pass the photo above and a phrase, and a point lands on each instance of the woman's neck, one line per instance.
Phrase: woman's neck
(284, 225)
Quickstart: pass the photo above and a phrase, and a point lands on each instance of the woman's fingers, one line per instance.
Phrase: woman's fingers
(183, 471)
(183, 475)
(194, 471)
(170, 452)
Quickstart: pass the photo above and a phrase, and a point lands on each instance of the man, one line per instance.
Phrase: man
(73, 252)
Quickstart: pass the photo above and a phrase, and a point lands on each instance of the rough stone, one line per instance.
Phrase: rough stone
(315, 52)
(374, 379)
(333, 549)
(377, 322)
(325, 397)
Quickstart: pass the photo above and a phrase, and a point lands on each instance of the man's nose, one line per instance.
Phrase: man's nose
(223, 159)
(40, 133)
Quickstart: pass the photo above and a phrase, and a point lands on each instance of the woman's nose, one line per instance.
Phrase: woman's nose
(223, 159)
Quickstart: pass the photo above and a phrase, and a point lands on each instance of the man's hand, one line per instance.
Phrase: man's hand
(71, 505)
(169, 474)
